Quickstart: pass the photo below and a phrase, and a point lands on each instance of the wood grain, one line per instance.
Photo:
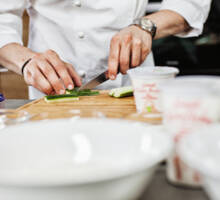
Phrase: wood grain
(89, 106)
(13, 86)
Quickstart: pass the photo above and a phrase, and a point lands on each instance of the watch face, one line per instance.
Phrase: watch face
(146, 23)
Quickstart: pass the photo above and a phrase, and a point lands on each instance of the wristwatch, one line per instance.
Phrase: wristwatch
(146, 25)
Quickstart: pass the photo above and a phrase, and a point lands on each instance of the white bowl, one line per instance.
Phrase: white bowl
(201, 151)
(83, 159)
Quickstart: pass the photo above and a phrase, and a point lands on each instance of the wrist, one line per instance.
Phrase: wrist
(24, 65)
(146, 25)
(148, 34)
(28, 55)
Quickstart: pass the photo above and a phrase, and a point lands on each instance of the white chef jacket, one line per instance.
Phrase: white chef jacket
(80, 30)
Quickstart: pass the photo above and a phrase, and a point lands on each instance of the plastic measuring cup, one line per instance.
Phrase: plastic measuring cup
(188, 105)
(145, 82)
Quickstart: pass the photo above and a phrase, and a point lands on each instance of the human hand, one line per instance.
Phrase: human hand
(49, 74)
(128, 48)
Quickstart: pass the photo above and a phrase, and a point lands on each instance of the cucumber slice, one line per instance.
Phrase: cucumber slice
(60, 98)
(111, 92)
(121, 92)
(85, 92)
(71, 95)
(71, 92)
(91, 93)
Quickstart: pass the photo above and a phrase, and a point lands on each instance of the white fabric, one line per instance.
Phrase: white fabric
(80, 30)
(195, 13)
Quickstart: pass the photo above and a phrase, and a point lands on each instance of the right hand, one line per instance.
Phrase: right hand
(49, 74)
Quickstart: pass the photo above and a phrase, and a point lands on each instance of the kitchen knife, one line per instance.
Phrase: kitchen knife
(95, 82)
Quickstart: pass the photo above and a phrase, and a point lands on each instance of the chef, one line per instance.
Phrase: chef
(72, 41)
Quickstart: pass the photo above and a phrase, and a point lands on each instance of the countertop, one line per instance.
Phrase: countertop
(159, 188)
(14, 103)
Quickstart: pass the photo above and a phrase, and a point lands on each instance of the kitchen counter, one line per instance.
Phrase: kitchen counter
(159, 188)
(15, 103)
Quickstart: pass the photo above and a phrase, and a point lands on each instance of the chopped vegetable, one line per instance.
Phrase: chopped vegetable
(85, 92)
(71, 95)
(121, 92)
(60, 98)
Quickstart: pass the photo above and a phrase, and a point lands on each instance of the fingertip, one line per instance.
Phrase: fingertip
(79, 82)
(112, 73)
(70, 86)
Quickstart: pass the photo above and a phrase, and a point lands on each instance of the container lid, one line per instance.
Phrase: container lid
(189, 87)
(153, 71)
(214, 80)
(1, 97)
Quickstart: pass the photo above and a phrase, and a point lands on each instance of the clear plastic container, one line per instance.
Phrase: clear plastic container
(201, 151)
(145, 82)
(188, 105)
(213, 80)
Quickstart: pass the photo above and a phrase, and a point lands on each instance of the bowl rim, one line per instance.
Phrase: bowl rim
(139, 166)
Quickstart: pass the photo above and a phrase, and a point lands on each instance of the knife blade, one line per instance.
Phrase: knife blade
(95, 82)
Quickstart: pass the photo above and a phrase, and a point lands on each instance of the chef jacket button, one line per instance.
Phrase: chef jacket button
(82, 73)
(77, 3)
(81, 35)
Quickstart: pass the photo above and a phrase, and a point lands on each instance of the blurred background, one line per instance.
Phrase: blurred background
(195, 55)
(191, 56)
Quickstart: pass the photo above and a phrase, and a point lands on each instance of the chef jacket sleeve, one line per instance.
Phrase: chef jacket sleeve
(11, 12)
(195, 13)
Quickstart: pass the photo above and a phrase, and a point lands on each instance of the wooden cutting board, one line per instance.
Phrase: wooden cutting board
(88, 106)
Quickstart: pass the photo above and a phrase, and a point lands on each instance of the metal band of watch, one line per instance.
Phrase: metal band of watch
(146, 25)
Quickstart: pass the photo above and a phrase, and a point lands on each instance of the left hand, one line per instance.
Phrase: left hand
(128, 48)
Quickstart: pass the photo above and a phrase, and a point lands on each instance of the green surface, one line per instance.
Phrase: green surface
(70, 95)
